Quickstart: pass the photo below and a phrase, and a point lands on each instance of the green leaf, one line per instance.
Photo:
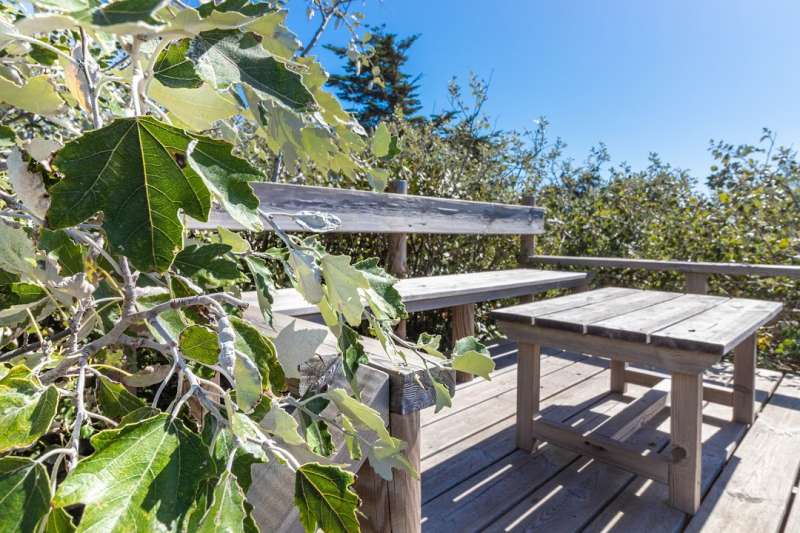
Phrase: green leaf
(430, 344)
(351, 439)
(383, 298)
(381, 140)
(247, 380)
(24, 494)
(18, 255)
(174, 69)
(237, 243)
(127, 11)
(37, 95)
(343, 282)
(326, 500)
(133, 171)
(352, 351)
(443, 397)
(472, 357)
(7, 137)
(262, 279)
(59, 521)
(70, 255)
(362, 415)
(260, 349)
(208, 260)
(281, 424)
(196, 109)
(386, 455)
(245, 7)
(26, 411)
(199, 344)
(141, 477)
(228, 177)
(114, 399)
(226, 57)
(226, 512)
(307, 275)
(317, 436)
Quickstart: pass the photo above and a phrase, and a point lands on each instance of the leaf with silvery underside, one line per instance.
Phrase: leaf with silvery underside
(228, 177)
(227, 512)
(237, 243)
(24, 494)
(114, 399)
(26, 411)
(195, 109)
(19, 255)
(261, 350)
(199, 344)
(174, 69)
(430, 344)
(295, 345)
(472, 357)
(281, 424)
(361, 414)
(316, 221)
(133, 172)
(141, 477)
(381, 140)
(249, 453)
(307, 277)
(226, 57)
(383, 298)
(387, 455)
(442, 396)
(326, 500)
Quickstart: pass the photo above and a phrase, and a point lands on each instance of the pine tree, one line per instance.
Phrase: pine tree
(373, 101)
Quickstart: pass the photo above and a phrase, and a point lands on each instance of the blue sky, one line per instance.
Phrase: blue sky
(639, 75)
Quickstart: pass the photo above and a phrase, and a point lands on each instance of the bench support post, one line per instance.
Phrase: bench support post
(685, 423)
(398, 251)
(528, 369)
(462, 324)
(696, 283)
(527, 246)
(744, 381)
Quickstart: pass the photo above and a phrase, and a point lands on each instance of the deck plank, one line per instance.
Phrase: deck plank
(754, 489)
(467, 451)
(476, 502)
(643, 504)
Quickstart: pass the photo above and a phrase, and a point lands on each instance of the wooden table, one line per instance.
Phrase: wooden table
(683, 334)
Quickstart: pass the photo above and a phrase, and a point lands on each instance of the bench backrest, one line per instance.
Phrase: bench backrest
(378, 212)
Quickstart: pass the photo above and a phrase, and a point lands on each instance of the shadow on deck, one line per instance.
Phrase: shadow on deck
(474, 478)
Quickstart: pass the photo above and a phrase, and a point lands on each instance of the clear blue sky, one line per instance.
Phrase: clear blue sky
(638, 75)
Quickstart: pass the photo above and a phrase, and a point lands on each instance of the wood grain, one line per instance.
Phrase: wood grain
(744, 381)
(685, 430)
(374, 212)
(528, 384)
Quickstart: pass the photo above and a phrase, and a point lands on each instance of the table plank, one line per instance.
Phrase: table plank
(436, 292)
(720, 329)
(577, 319)
(637, 326)
(526, 313)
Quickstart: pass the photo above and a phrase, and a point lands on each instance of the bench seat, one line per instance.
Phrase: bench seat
(438, 292)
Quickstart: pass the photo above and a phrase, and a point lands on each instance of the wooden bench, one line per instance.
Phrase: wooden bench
(400, 392)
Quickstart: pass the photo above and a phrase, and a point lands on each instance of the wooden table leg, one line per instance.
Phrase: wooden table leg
(463, 325)
(527, 393)
(618, 383)
(686, 422)
(744, 381)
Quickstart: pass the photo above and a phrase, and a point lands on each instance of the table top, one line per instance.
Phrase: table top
(436, 292)
(693, 322)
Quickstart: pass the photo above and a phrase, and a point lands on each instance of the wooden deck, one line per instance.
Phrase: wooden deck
(473, 478)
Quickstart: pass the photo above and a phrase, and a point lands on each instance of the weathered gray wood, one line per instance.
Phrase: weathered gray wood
(720, 329)
(272, 490)
(696, 283)
(617, 382)
(397, 254)
(685, 430)
(638, 413)
(643, 504)
(525, 313)
(712, 392)
(672, 359)
(372, 212)
(528, 376)
(754, 489)
(732, 269)
(438, 292)
(577, 319)
(462, 324)
(744, 381)
(637, 327)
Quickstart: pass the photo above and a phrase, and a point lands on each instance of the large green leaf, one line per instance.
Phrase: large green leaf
(325, 498)
(260, 349)
(141, 477)
(200, 344)
(37, 95)
(226, 513)
(197, 108)
(24, 494)
(209, 259)
(343, 282)
(174, 69)
(226, 57)
(114, 399)
(133, 171)
(227, 177)
(26, 411)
